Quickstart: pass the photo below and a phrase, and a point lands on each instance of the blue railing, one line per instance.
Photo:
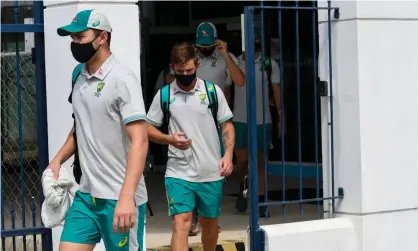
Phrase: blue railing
(21, 168)
(305, 165)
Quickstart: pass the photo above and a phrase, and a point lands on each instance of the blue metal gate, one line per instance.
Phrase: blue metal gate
(24, 138)
(289, 50)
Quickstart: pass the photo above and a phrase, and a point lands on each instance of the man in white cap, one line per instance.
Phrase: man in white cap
(112, 143)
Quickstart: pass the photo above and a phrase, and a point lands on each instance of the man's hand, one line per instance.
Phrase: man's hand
(55, 166)
(179, 141)
(124, 215)
(225, 166)
(222, 47)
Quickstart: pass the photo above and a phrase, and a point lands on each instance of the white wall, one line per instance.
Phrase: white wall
(59, 63)
(374, 60)
(320, 235)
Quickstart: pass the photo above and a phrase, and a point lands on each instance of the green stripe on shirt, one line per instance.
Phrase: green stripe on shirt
(133, 118)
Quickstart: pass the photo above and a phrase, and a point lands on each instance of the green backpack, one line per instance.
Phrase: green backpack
(76, 164)
(213, 106)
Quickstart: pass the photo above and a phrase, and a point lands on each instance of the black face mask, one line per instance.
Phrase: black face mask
(186, 80)
(206, 52)
(83, 52)
(257, 47)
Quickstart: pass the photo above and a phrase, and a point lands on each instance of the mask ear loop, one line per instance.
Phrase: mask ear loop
(100, 45)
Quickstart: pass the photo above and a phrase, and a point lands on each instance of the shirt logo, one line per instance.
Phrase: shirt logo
(100, 87)
(172, 100)
(123, 242)
(213, 61)
(202, 97)
(210, 87)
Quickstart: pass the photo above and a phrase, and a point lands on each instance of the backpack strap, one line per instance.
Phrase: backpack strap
(165, 104)
(213, 100)
(213, 106)
(166, 71)
(268, 68)
(74, 77)
(76, 164)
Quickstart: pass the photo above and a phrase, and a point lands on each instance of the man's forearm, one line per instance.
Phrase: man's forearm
(135, 163)
(276, 94)
(157, 136)
(235, 72)
(228, 138)
(67, 150)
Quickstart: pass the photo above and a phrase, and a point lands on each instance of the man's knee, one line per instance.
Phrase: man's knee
(209, 225)
(182, 222)
(241, 160)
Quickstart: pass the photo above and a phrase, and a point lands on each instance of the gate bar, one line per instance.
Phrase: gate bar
(315, 88)
(255, 241)
(41, 111)
(331, 105)
(21, 28)
(282, 115)
(296, 8)
(263, 90)
(19, 232)
(20, 125)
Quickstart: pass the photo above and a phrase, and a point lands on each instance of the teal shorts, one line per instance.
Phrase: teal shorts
(241, 140)
(183, 196)
(90, 219)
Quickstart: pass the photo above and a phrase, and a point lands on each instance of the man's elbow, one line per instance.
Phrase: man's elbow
(240, 83)
(241, 80)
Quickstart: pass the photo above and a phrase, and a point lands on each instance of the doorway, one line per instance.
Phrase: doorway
(162, 28)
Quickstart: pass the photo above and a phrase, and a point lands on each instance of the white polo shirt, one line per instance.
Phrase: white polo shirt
(214, 69)
(240, 98)
(103, 104)
(189, 113)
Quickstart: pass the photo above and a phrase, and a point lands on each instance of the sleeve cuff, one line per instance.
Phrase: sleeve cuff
(133, 118)
(152, 122)
(225, 119)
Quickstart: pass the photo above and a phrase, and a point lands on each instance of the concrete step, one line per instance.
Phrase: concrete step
(222, 246)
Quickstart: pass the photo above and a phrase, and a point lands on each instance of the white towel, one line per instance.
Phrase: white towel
(57, 197)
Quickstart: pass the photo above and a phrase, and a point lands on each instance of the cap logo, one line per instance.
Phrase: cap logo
(95, 24)
(75, 19)
(204, 33)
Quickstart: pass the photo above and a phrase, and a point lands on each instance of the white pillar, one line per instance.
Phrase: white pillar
(123, 16)
(375, 81)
